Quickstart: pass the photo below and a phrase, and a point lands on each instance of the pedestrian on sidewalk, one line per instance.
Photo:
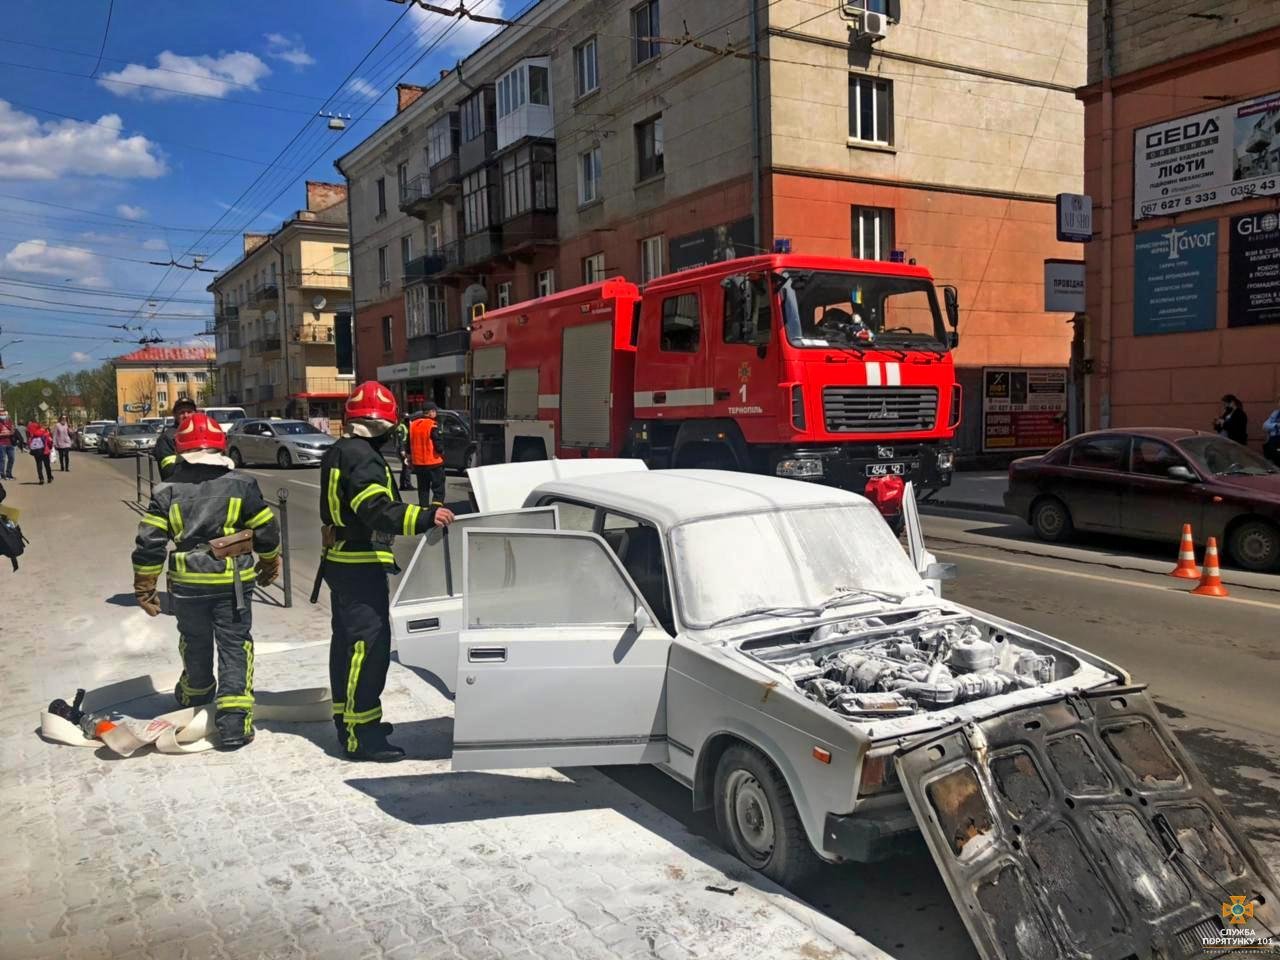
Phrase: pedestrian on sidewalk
(205, 503)
(1234, 422)
(40, 446)
(1271, 431)
(164, 454)
(424, 454)
(62, 441)
(361, 513)
(8, 445)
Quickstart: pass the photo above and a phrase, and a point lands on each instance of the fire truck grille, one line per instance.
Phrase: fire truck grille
(879, 409)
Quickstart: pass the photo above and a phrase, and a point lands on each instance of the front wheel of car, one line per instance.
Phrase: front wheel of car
(1051, 520)
(1255, 545)
(757, 817)
(236, 456)
(283, 459)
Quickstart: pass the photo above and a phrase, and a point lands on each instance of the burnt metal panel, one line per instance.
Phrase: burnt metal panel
(1081, 829)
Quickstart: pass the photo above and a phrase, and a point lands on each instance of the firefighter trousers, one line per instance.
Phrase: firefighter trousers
(207, 622)
(360, 650)
(431, 481)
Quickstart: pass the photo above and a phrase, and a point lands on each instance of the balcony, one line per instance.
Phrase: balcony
(312, 333)
(318, 280)
(320, 386)
(228, 354)
(481, 246)
(265, 345)
(267, 293)
(445, 179)
(415, 196)
(475, 153)
(419, 269)
(451, 343)
(210, 327)
(523, 234)
(227, 314)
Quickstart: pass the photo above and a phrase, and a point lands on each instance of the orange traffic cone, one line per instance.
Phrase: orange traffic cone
(1186, 568)
(1211, 582)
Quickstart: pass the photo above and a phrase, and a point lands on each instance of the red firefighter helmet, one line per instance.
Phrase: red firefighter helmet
(199, 432)
(372, 401)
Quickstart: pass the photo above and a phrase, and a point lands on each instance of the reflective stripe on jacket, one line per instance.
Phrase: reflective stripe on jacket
(424, 442)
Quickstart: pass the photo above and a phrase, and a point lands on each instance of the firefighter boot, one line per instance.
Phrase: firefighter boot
(235, 729)
(341, 729)
(371, 745)
(189, 696)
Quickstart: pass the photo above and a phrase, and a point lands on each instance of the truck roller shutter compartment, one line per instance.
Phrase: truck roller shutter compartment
(586, 367)
(489, 362)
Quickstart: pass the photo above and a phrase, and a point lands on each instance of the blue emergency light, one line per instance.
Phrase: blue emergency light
(897, 256)
(782, 245)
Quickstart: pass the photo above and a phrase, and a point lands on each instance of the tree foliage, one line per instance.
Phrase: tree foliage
(96, 389)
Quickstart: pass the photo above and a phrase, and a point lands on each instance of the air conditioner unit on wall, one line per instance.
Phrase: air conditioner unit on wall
(869, 23)
(874, 25)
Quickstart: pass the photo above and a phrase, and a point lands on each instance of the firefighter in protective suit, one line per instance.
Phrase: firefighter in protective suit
(216, 518)
(164, 453)
(361, 513)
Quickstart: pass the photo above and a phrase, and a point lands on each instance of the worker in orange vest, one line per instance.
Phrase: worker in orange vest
(424, 454)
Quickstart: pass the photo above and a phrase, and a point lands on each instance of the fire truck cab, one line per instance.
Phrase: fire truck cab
(819, 368)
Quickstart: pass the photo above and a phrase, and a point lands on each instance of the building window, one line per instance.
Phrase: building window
(680, 324)
(539, 85)
(593, 268)
(870, 110)
(528, 180)
(437, 315)
(651, 258)
(290, 313)
(180, 379)
(201, 378)
(162, 398)
(511, 92)
(586, 71)
(402, 178)
(590, 169)
(434, 234)
(382, 196)
(473, 117)
(440, 141)
(341, 260)
(504, 294)
(386, 335)
(644, 28)
(415, 312)
(546, 283)
(476, 215)
(649, 150)
(384, 277)
(406, 252)
(872, 232)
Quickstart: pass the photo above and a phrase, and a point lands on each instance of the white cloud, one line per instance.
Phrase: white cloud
(130, 212)
(289, 49)
(32, 150)
(155, 243)
(79, 356)
(364, 88)
(181, 76)
(467, 35)
(41, 257)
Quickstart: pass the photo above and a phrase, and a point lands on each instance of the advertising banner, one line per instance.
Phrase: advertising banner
(1064, 286)
(1209, 158)
(1253, 296)
(725, 241)
(1023, 408)
(1175, 279)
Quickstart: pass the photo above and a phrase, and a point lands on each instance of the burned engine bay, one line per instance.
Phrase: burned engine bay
(900, 665)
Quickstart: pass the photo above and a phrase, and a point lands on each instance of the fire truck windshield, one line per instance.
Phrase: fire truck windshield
(859, 310)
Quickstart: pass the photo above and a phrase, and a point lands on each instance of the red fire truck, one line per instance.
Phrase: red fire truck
(825, 369)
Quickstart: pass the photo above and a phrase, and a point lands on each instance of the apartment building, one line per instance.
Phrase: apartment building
(151, 380)
(282, 315)
(1182, 158)
(622, 138)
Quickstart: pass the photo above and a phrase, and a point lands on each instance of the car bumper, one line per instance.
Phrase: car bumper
(871, 836)
(308, 457)
(850, 466)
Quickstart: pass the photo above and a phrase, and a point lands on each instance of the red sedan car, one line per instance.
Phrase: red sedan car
(1147, 483)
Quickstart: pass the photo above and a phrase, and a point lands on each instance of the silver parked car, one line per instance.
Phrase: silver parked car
(282, 442)
(130, 439)
(89, 437)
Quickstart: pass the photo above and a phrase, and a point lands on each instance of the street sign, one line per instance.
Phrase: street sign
(46, 392)
(44, 406)
(1075, 217)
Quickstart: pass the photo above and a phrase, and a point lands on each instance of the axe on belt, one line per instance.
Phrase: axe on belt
(328, 537)
(229, 548)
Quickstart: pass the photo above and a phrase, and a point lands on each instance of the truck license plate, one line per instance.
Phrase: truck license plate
(884, 469)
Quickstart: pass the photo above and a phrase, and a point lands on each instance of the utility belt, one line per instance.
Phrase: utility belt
(226, 550)
(338, 546)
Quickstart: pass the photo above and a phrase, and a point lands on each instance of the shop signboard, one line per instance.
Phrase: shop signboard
(725, 241)
(1023, 408)
(1253, 296)
(1064, 286)
(1217, 156)
(1175, 279)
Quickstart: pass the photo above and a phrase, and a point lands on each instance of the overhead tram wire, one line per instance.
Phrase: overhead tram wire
(108, 216)
(48, 287)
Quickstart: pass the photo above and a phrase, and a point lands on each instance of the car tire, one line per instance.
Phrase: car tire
(1051, 520)
(757, 817)
(1255, 545)
(283, 460)
(236, 456)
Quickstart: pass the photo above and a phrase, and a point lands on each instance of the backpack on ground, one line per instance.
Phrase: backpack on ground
(11, 540)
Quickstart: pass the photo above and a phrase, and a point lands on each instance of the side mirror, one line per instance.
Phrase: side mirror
(1183, 473)
(762, 350)
(940, 571)
(951, 297)
(641, 621)
(953, 339)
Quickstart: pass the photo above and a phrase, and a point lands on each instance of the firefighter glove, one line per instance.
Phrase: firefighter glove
(268, 570)
(144, 591)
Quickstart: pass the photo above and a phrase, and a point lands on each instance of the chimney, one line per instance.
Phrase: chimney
(252, 241)
(406, 94)
(322, 196)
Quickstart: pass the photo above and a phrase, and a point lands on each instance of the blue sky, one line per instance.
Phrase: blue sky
(101, 172)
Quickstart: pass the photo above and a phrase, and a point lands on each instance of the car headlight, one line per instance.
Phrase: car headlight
(799, 467)
(946, 460)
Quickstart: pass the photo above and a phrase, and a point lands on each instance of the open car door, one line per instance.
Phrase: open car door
(926, 563)
(426, 611)
(505, 486)
(561, 661)
(1081, 829)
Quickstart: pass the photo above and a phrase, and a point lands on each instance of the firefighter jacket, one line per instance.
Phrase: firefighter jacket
(424, 442)
(199, 503)
(360, 499)
(165, 453)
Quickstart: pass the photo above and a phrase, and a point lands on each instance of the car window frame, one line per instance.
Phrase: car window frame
(1185, 461)
(1125, 462)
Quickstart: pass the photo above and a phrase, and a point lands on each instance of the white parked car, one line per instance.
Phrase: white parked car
(770, 645)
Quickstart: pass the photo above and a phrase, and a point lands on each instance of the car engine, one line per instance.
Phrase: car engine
(929, 668)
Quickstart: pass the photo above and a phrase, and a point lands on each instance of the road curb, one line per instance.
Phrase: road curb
(927, 506)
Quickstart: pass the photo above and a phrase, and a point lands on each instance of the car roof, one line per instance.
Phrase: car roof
(669, 497)
(1158, 433)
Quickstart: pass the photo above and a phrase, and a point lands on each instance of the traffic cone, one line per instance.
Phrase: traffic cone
(1186, 568)
(1211, 582)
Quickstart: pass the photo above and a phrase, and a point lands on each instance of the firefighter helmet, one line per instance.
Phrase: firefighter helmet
(199, 432)
(372, 401)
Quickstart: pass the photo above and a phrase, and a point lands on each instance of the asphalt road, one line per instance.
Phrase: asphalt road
(1213, 666)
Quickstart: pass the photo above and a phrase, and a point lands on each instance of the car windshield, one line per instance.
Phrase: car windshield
(293, 428)
(1224, 457)
(93, 429)
(226, 416)
(823, 310)
(786, 562)
(135, 430)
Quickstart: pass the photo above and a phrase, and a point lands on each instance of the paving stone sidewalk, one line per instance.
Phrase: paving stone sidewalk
(286, 851)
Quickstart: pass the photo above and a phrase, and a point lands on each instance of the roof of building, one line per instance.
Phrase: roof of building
(176, 355)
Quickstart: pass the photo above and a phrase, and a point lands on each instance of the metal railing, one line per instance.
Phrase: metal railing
(265, 345)
(312, 333)
(330, 385)
(326, 280)
(280, 506)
